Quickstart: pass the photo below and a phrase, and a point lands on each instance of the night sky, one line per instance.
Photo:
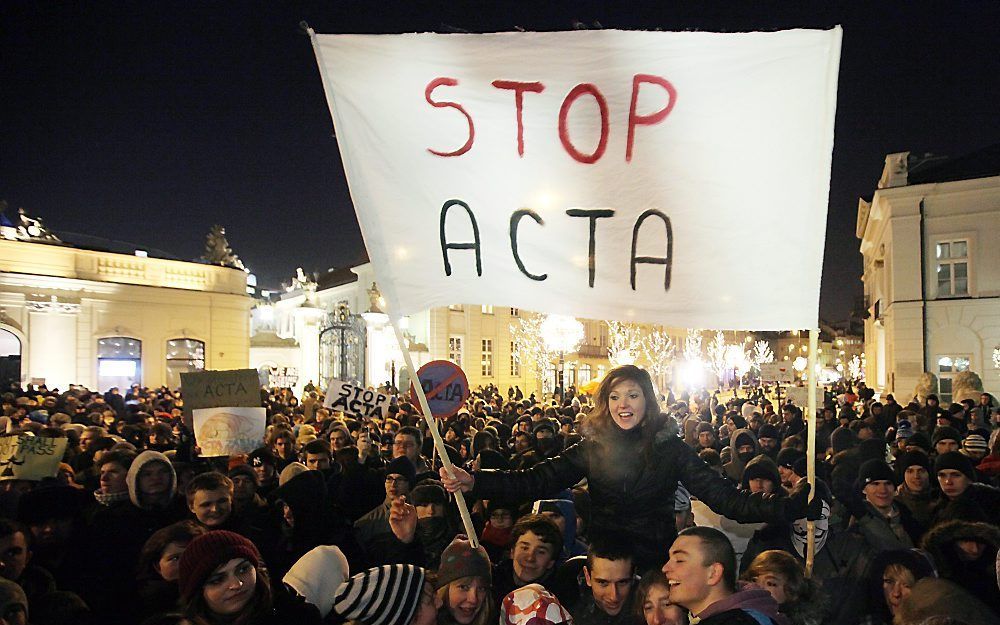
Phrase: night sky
(150, 121)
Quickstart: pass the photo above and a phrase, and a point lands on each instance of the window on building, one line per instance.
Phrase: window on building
(119, 363)
(549, 379)
(487, 360)
(570, 375)
(515, 312)
(948, 366)
(457, 307)
(455, 350)
(183, 356)
(515, 366)
(487, 309)
(600, 371)
(586, 373)
(953, 267)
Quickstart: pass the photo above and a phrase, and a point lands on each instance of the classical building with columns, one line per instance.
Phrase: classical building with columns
(930, 238)
(99, 315)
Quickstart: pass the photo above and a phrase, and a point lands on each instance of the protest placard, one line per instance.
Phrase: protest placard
(356, 401)
(782, 372)
(229, 430)
(26, 457)
(638, 176)
(219, 389)
(799, 395)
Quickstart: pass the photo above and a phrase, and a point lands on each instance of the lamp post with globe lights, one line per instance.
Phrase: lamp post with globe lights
(562, 334)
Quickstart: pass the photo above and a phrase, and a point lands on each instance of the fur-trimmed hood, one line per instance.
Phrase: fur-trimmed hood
(937, 541)
(132, 477)
(932, 596)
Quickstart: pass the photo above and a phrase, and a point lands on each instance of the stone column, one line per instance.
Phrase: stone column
(52, 341)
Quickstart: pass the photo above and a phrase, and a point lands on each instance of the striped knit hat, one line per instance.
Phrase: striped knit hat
(385, 595)
(975, 443)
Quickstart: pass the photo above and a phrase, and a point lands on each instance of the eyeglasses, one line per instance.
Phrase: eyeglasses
(395, 480)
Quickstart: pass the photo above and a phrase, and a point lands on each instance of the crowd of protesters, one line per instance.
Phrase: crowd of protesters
(617, 508)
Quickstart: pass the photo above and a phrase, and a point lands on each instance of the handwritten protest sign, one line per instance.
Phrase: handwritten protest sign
(799, 395)
(639, 176)
(229, 430)
(24, 457)
(356, 401)
(777, 372)
(219, 389)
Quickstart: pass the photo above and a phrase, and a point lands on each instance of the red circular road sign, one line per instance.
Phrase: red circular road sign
(445, 386)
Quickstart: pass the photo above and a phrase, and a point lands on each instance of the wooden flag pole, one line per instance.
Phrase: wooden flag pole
(811, 386)
(425, 408)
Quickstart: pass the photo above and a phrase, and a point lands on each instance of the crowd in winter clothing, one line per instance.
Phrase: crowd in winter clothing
(620, 507)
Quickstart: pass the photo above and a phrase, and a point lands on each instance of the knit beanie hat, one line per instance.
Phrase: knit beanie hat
(945, 434)
(532, 604)
(705, 427)
(460, 560)
(385, 595)
(801, 466)
(788, 456)
(291, 471)
(492, 459)
(842, 438)
(768, 431)
(744, 438)
(956, 461)
(428, 493)
(402, 466)
(208, 552)
(12, 594)
(874, 471)
(244, 470)
(747, 410)
(261, 456)
(908, 459)
(975, 443)
(317, 575)
(919, 439)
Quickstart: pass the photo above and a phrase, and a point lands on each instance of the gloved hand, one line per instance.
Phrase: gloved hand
(798, 505)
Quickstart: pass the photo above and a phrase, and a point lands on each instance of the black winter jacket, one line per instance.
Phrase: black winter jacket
(629, 496)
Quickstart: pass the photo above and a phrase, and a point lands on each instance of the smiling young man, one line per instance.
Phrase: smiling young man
(883, 522)
(702, 577)
(610, 575)
(535, 546)
(210, 499)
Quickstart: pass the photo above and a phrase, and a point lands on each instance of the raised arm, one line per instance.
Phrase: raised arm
(545, 478)
(722, 497)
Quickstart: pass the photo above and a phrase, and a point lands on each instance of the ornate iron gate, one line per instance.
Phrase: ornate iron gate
(342, 344)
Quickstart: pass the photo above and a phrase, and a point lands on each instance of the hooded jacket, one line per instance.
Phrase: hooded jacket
(750, 605)
(630, 495)
(734, 468)
(979, 502)
(932, 596)
(977, 576)
(132, 477)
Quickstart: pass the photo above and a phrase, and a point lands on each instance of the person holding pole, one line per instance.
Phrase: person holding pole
(632, 459)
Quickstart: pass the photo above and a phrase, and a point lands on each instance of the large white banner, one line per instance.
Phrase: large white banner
(677, 178)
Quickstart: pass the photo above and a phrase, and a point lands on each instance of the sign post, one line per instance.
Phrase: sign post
(811, 384)
(425, 408)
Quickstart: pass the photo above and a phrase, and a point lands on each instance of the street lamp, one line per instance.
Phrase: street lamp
(562, 334)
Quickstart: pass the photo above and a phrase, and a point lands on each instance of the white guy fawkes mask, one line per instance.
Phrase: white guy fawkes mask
(800, 532)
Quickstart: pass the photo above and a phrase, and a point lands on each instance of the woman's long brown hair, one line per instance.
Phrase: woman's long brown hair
(198, 613)
(599, 420)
